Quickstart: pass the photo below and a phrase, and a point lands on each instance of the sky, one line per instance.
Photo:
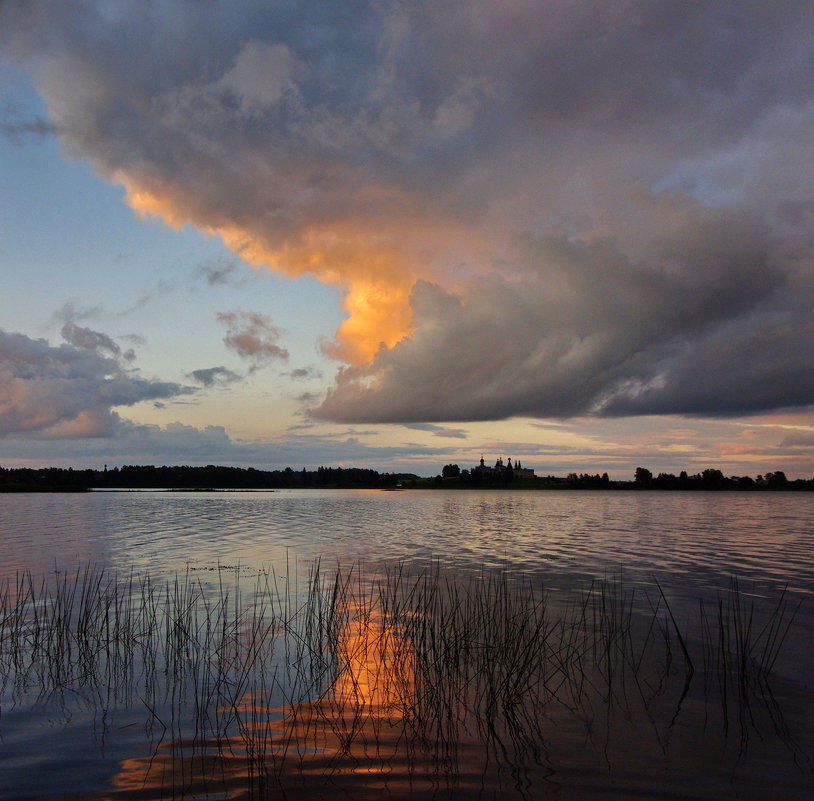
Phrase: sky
(398, 235)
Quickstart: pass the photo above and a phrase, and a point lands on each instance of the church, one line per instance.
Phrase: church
(501, 472)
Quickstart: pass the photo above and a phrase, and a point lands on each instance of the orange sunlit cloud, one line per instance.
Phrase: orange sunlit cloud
(375, 277)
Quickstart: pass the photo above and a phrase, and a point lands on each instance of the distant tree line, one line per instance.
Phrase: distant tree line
(712, 479)
(182, 477)
(186, 477)
(643, 479)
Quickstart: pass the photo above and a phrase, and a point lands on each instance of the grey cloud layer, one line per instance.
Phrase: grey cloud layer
(67, 390)
(610, 203)
(580, 328)
(182, 444)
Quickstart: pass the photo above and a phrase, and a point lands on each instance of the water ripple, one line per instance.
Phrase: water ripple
(703, 538)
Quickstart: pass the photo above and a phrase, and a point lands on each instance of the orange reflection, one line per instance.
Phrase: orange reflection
(378, 669)
(353, 733)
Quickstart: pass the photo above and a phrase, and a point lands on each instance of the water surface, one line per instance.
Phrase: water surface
(684, 548)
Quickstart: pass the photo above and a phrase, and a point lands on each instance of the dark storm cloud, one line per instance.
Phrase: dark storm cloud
(697, 325)
(67, 390)
(599, 208)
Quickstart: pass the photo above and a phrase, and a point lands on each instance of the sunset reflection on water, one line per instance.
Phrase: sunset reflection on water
(354, 736)
(412, 704)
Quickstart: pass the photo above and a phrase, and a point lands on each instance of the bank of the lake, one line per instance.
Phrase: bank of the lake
(481, 477)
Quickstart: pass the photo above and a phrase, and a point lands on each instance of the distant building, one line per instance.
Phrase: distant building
(502, 472)
(522, 472)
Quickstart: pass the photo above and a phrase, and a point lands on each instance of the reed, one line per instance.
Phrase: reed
(278, 677)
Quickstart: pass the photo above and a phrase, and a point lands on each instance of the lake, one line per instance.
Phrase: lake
(407, 644)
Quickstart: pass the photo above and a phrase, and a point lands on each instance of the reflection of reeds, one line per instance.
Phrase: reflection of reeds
(248, 687)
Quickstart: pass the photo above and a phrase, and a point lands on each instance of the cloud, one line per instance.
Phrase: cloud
(301, 373)
(439, 431)
(253, 336)
(222, 272)
(87, 339)
(178, 443)
(97, 342)
(260, 75)
(17, 132)
(578, 328)
(799, 439)
(308, 399)
(68, 391)
(17, 127)
(212, 376)
(577, 209)
(69, 312)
